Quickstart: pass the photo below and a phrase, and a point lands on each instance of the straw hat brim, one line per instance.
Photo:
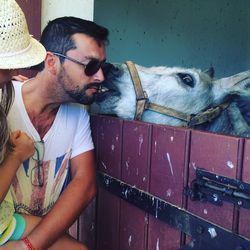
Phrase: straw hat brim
(33, 56)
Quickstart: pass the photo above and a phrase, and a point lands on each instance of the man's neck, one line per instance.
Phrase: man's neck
(39, 104)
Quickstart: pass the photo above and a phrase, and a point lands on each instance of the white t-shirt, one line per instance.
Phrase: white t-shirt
(68, 137)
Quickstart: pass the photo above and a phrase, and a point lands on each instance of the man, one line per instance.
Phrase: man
(72, 73)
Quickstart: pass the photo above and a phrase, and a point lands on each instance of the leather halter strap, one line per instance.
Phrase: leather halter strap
(142, 104)
(141, 96)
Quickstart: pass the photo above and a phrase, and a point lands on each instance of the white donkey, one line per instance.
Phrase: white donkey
(181, 97)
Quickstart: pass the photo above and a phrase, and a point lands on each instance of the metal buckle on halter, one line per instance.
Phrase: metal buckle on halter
(142, 98)
(141, 103)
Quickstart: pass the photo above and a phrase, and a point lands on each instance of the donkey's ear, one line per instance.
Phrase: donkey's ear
(210, 72)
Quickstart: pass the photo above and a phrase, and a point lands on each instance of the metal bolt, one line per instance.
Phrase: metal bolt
(199, 229)
(215, 197)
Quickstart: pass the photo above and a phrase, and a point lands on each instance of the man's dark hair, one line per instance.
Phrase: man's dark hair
(57, 35)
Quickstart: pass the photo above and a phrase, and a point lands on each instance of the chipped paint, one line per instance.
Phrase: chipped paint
(212, 232)
(193, 165)
(129, 240)
(169, 192)
(153, 201)
(127, 164)
(92, 228)
(155, 146)
(215, 197)
(144, 179)
(103, 164)
(112, 147)
(107, 182)
(205, 211)
(170, 164)
(158, 244)
(230, 164)
(156, 209)
(171, 138)
(140, 143)
(126, 193)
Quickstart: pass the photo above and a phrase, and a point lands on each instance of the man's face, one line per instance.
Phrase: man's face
(5, 76)
(79, 86)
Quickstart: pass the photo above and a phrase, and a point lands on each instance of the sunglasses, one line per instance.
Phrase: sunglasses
(90, 68)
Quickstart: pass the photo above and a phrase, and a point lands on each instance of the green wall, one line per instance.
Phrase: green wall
(188, 33)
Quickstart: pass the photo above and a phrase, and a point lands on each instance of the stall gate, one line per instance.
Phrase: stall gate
(163, 187)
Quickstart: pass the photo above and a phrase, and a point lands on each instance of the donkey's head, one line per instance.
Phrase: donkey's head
(187, 90)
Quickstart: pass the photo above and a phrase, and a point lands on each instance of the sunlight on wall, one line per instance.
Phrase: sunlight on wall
(52, 9)
(187, 33)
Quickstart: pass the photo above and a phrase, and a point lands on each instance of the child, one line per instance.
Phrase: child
(14, 149)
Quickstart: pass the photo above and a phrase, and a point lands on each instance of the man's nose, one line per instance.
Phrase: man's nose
(99, 76)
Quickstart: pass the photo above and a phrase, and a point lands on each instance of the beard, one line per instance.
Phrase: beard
(80, 95)
(77, 94)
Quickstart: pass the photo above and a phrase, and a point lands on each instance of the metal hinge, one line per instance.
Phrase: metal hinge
(205, 235)
(213, 188)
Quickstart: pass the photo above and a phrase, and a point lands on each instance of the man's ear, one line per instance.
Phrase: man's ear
(51, 63)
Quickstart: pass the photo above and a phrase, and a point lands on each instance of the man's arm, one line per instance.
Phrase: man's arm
(77, 195)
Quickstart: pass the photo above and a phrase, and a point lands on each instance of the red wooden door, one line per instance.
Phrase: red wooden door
(32, 11)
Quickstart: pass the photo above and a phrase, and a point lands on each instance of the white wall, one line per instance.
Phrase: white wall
(52, 9)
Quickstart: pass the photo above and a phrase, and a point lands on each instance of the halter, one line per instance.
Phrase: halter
(143, 103)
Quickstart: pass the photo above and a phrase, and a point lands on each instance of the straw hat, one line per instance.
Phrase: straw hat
(17, 48)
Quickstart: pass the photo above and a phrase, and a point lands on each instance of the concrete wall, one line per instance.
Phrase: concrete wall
(52, 9)
(189, 33)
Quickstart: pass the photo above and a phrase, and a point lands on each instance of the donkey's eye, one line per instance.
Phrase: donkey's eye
(186, 79)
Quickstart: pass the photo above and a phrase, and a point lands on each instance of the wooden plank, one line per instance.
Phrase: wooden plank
(109, 161)
(168, 163)
(221, 155)
(161, 236)
(110, 145)
(133, 227)
(87, 225)
(108, 210)
(136, 154)
(135, 171)
(244, 220)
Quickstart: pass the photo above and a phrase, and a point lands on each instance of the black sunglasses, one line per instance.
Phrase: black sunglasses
(90, 68)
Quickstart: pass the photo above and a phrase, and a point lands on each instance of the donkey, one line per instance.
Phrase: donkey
(187, 92)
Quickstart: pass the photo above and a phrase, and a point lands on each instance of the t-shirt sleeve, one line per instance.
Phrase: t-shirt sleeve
(83, 140)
